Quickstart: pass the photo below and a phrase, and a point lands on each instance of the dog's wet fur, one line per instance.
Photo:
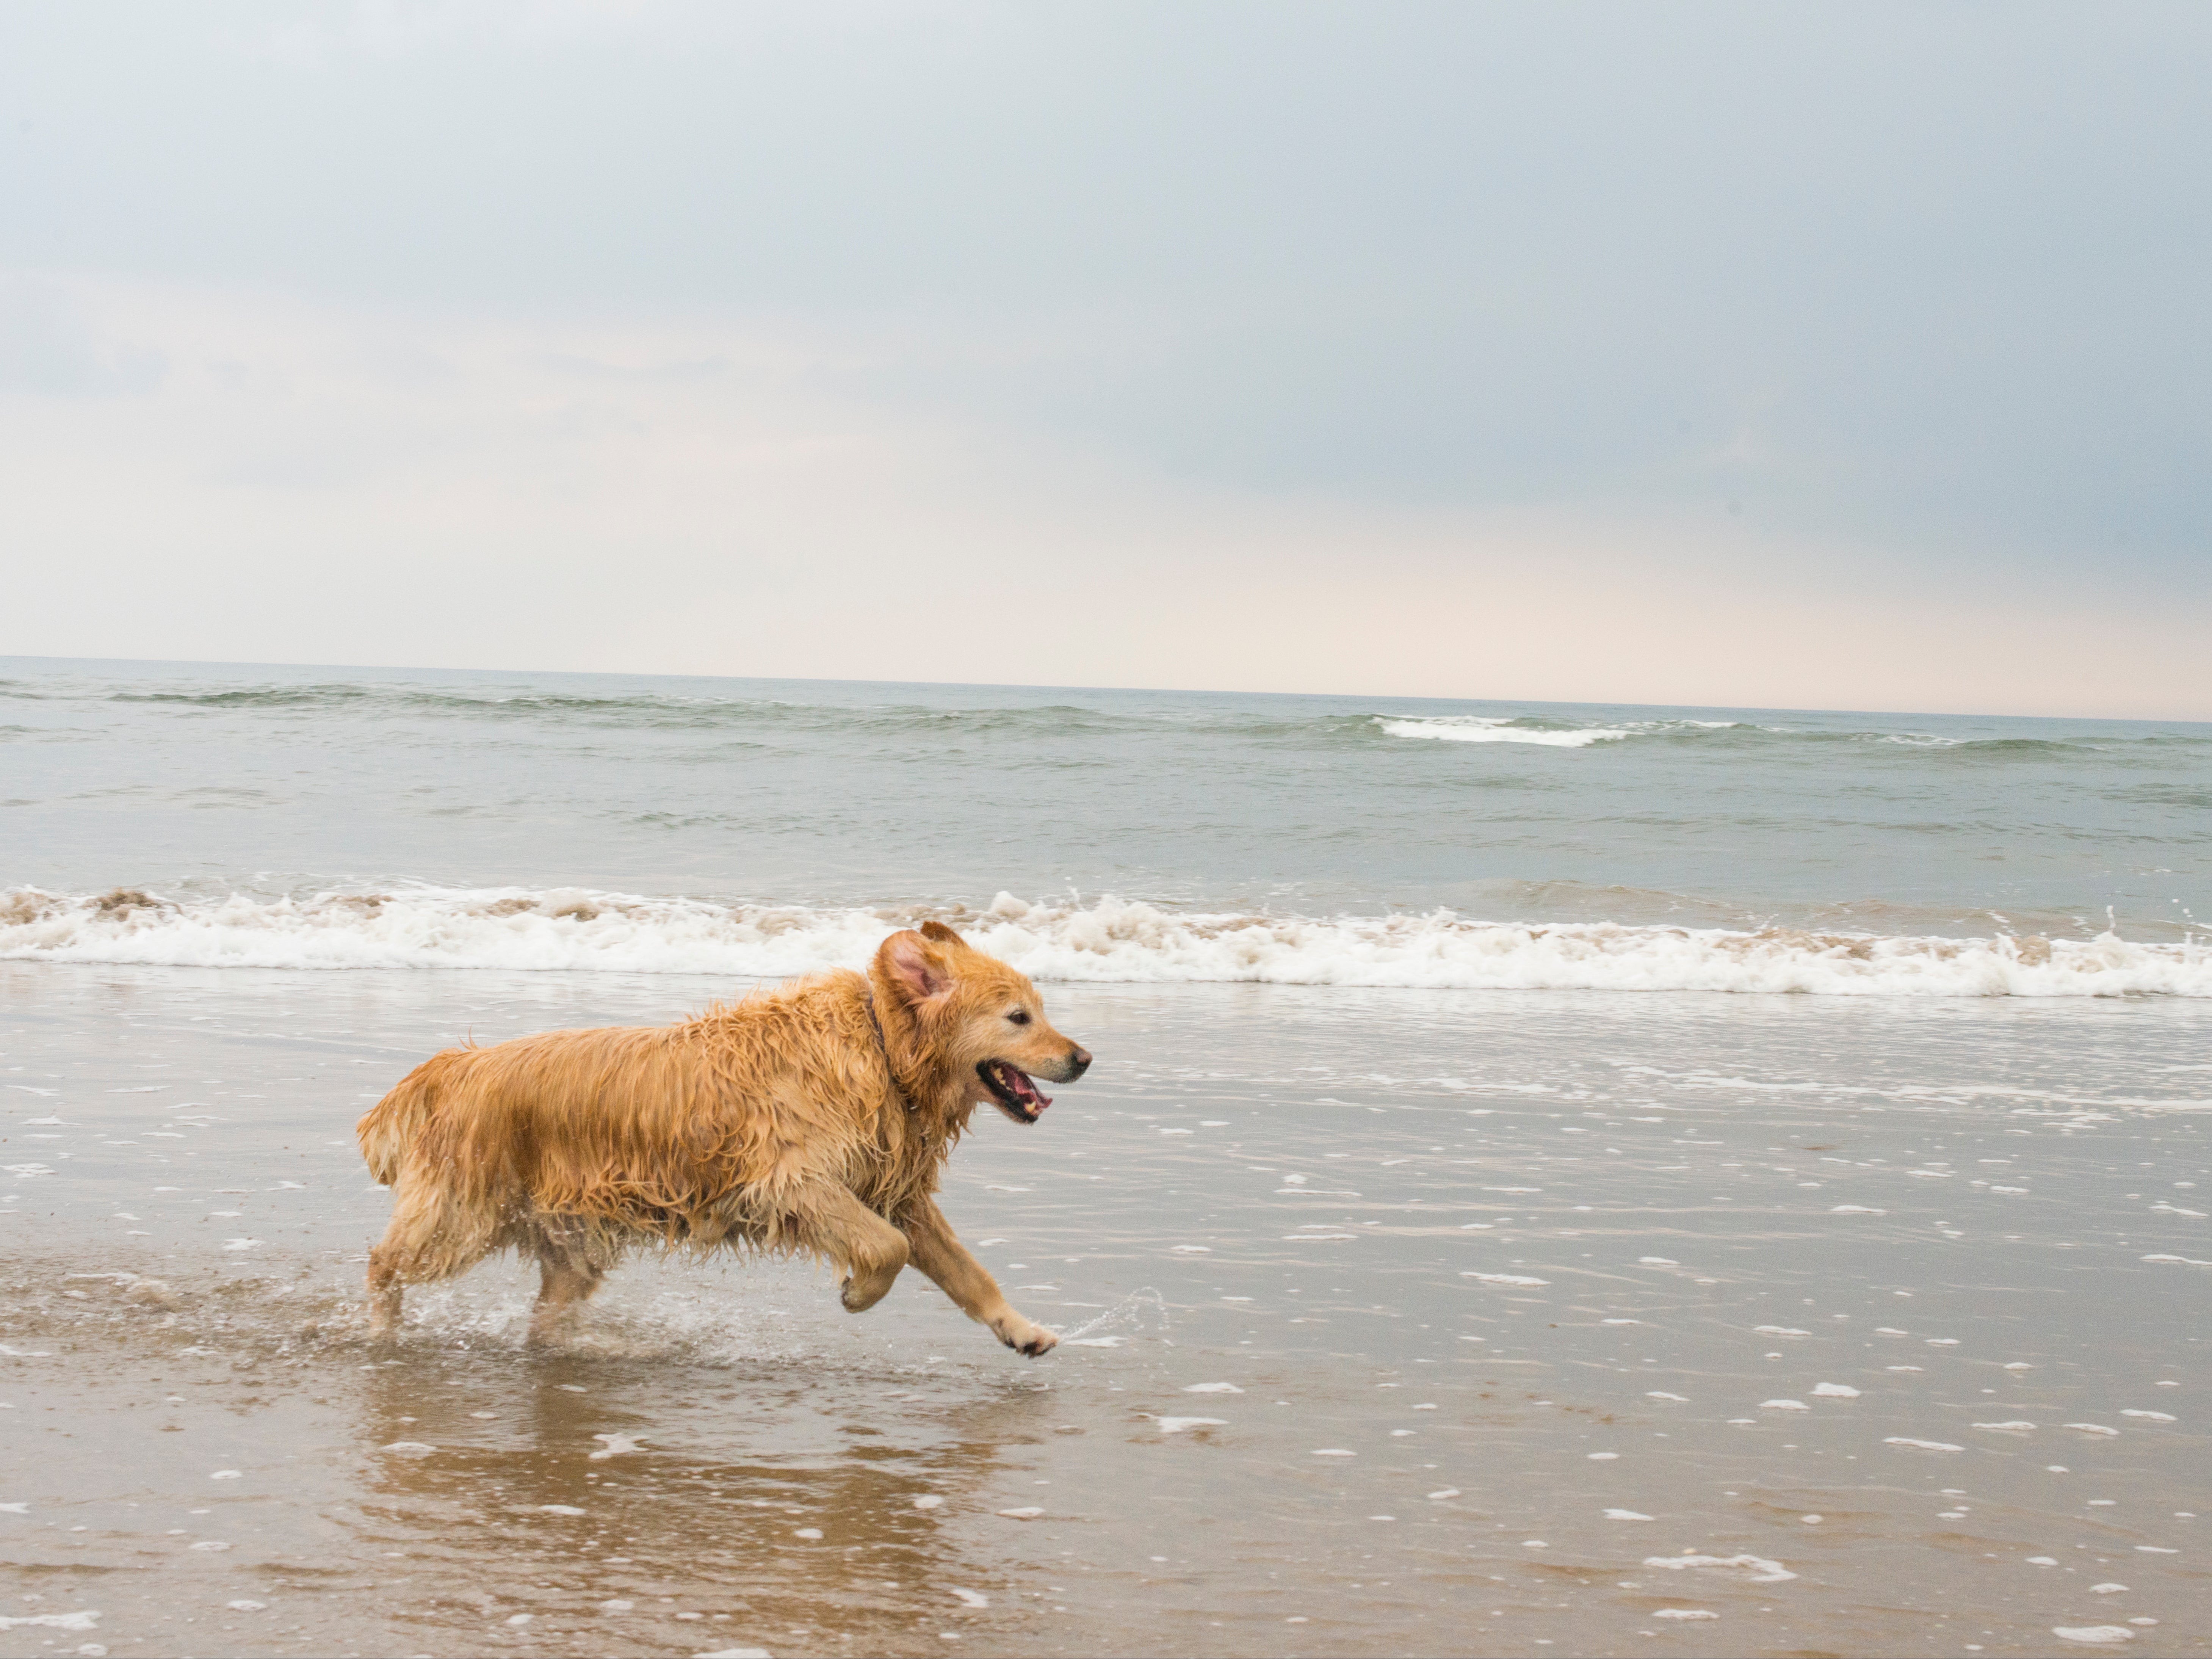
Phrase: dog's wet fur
(812, 1119)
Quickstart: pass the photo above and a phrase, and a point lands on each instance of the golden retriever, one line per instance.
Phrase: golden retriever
(812, 1119)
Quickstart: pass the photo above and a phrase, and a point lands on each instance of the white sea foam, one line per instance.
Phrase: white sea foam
(1480, 728)
(575, 929)
(1753, 1569)
(84, 1620)
(1562, 732)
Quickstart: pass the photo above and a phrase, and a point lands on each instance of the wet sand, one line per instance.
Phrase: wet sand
(1439, 1322)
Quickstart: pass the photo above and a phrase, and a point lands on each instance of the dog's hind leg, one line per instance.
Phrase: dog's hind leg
(569, 1271)
(430, 1236)
(827, 1220)
(384, 1292)
(566, 1282)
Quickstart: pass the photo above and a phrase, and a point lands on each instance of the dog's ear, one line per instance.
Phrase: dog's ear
(916, 968)
(941, 934)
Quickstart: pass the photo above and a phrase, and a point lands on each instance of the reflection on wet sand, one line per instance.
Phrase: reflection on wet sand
(463, 1495)
(558, 1476)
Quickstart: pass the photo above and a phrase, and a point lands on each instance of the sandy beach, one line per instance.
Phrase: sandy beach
(1452, 1322)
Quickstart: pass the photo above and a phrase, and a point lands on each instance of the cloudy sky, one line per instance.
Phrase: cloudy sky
(1837, 355)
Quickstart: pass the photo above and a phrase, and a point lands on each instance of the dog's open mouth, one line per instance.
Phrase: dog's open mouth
(1018, 1097)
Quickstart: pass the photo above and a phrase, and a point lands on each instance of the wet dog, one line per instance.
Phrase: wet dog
(814, 1119)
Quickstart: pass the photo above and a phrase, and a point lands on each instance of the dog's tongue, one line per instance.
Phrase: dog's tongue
(1025, 1090)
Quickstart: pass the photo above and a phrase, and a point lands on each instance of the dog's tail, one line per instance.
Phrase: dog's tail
(388, 1128)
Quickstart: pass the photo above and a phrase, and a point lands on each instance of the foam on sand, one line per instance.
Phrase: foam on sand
(83, 1620)
(1752, 1569)
(577, 929)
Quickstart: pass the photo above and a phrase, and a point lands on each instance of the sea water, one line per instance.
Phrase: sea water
(1465, 1242)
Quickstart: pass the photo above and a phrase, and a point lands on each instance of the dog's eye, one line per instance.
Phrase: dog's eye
(1020, 1016)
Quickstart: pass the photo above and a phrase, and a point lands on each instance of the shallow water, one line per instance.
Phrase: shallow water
(1436, 1321)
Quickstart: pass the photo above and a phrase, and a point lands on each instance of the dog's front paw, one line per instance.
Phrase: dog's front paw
(1024, 1338)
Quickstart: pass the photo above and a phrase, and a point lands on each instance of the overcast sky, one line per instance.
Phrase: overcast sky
(1839, 356)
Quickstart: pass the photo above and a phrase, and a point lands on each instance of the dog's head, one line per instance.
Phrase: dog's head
(983, 1020)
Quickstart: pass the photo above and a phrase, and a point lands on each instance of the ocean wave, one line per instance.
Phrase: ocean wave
(639, 710)
(775, 710)
(1549, 731)
(580, 929)
(1557, 732)
(1487, 728)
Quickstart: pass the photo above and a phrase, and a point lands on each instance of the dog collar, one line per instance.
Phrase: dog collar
(868, 1002)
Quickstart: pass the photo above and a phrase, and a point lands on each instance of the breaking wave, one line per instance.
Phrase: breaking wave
(1559, 731)
(578, 929)
(1551, 733)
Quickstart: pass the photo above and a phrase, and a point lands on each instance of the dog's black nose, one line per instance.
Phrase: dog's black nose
(1079, 1062)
